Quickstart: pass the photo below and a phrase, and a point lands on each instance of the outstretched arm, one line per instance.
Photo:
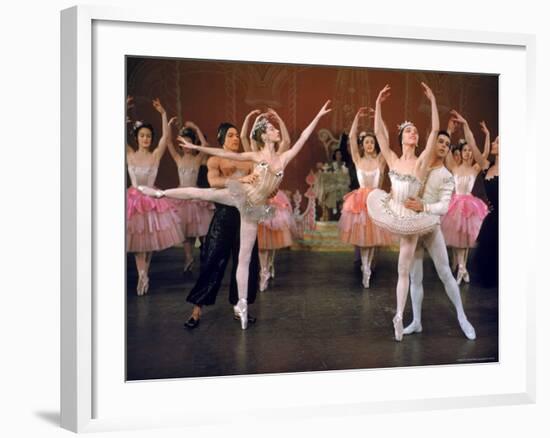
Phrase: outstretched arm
(469, 137)
(161, 148)
(380, 129)
(285, 136)
(248, 145)
(426, 156)
(219, 152)
(287, 156)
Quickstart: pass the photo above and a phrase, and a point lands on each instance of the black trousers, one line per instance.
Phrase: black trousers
(221, 244)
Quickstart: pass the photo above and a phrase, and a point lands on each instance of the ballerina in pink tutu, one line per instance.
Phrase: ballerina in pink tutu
(355, 225)
(249, 193)
(276, 232)
(151, 224)
(195, 215)
(461, 224)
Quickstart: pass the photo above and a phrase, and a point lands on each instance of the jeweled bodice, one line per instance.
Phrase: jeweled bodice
(403, 186)
(368, 178)
(267, 182)
(143, 175)
(464, 184)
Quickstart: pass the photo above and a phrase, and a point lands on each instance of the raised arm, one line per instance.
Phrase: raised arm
(248, 143)
(219, 152)
(450, 162)
(171, 148)
(285, 136)
(287, 156)
(380, 129)
(469, 137)
(487, 143)
(204, 142)
(426, 156)
(159, 151)
(354, 147)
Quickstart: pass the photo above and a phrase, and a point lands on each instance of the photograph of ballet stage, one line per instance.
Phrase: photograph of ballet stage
(287, 218)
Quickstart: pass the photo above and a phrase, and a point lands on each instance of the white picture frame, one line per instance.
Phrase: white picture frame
(90, 401)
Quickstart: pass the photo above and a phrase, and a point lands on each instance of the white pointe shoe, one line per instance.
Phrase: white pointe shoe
(272, 270)
(264, 278)
(460, 274)
(466, 276)
(188, 266)
(241, 310)
(413, 327)
(398, 327)
(467, 328)
(366, 276)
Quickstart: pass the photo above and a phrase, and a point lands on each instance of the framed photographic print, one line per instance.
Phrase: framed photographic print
(164, 292)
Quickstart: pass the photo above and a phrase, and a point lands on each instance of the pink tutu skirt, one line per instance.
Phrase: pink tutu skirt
(151, 224)
(277, 232)
(461, 224)
(195, 216)
(355, 225)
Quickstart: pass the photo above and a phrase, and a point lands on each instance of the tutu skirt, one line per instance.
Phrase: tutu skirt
(461, 224)
(195, 216)
(277, 231)
(391, 215)
(355, 225)
(151, 224)
(252, 212)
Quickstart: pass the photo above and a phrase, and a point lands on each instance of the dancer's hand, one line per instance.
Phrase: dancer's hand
(414, 204)
(189, 124)
(158, 106)
(173, 121)
(458, 118)
(324, 110)
(148, 191)
(183, 143)
(365, 111)
(249, 179)
(384, 94)
(451, 126)
(428, 91)
(484, 127)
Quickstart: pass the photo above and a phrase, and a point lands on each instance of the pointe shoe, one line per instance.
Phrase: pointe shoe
(466, 276)
(460, 274)
(251, 319)
(398, 327)
(272, 270)
(241, 309)
(413, 327)
(366, 276)
(141, 283)
(145, 284)
(467, 328)
(187, 267)
(264, 278)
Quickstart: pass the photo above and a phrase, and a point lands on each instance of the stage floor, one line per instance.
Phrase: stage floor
(315, 316)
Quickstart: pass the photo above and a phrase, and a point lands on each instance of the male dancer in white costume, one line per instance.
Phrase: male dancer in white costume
(438, 189)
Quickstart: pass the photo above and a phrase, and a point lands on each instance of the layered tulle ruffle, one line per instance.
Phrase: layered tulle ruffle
(463, 220)
(277, 231)
(152, 224)
(355, 225)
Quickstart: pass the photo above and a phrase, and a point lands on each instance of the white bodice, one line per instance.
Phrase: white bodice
(402, 187)
(188, 176)
(368, 178)
(464, 184)
(143, 175)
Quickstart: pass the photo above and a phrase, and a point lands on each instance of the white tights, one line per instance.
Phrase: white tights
(435, 244)
(407, 247)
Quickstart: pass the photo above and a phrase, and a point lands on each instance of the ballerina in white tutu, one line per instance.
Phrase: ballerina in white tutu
(406, 173)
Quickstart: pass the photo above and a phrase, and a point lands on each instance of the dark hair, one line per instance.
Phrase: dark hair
(457, 147)
(140, 125)
(369, 134)
(400, 135)
(445, 133)
(259, 128)
(188, 132)
(334, 154)
(222, 132)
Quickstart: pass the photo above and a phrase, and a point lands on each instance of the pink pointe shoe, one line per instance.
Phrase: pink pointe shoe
(241, 310)
(398, 327)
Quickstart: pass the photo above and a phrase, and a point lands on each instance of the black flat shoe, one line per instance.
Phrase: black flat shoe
(192, 323)
(251, 319)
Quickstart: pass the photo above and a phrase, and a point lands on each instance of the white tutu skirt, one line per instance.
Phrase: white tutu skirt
(253, 213)
(394, 217)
